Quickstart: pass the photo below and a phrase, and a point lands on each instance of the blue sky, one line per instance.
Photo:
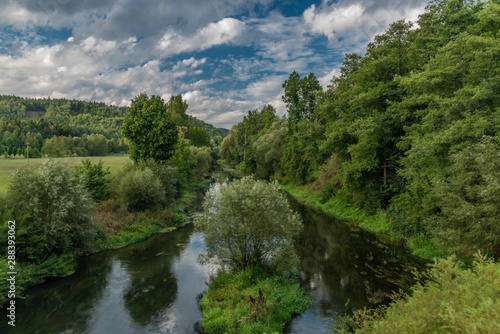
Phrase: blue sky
(224, 56)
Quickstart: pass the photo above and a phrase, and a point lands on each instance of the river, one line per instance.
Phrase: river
(153, 286)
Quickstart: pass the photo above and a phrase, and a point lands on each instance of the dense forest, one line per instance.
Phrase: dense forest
(411, 128)
(60, 127)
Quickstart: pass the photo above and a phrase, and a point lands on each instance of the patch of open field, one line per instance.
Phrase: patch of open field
(8, 166)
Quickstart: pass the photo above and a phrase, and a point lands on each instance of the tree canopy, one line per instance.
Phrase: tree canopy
(150, 129)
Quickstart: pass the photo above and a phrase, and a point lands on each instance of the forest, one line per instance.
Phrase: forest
(60, 127)
(409, 131)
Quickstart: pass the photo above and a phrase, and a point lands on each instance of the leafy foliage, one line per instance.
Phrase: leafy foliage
(453, 300)
(468, 201)
(249, 223)
(150, 129)
(95, 179)
(141, 189)
(384, 135)
(55, 216)
(227, 302)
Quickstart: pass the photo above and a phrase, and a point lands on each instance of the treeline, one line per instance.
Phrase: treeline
(60, 127)
(410, 128)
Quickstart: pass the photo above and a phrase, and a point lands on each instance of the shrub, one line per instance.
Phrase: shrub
(140, 190)
(54, 212)
(453, 300)
(95, 179)
(249, 223)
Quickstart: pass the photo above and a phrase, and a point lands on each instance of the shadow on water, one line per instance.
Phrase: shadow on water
(147, 287)
(345, 268)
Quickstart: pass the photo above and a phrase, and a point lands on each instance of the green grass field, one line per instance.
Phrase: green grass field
(8, 166)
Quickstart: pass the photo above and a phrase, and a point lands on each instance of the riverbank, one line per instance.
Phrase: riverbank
(379, 224)
(117, 228)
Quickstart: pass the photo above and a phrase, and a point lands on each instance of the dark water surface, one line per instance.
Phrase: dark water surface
(152, 286)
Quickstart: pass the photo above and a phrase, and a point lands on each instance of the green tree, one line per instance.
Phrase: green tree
(268, 151)
(177, 107)
(95, 179)
(58, 211)
(150, 129)
(98, 145)
(300, 97)
(141, 190)
(468, 202)
(203, 161)
(249, 223)
(198, 137)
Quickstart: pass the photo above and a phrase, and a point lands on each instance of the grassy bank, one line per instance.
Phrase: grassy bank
(233, 303)
(378, 223)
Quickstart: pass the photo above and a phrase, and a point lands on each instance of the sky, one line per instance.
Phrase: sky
(225, 57)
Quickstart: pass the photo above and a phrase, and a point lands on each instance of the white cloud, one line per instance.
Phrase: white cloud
(216, 33)
(326, 79)
(350, 25)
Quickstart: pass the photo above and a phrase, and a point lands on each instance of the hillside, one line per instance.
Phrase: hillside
(79, 127)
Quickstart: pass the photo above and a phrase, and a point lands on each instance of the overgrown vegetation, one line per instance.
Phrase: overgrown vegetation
(249, 230)
(454, 299)
(251, 301)
(64, 212)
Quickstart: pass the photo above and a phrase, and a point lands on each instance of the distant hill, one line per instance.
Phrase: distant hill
(80, 116)
(209, 128)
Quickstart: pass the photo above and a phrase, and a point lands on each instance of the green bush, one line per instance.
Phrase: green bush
(95, 179)
(249, 223)
(141, 189)
(56, 215)
(453, 300)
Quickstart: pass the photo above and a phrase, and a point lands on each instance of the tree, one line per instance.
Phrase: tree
(249, 223)
(95, 179)
(58, 212)
(141, 190)
(269, 150)
(177, 107)
(150, 129)
(199, 137)
(98, 145)
(468, 202)
(300, 97)
(203, 161)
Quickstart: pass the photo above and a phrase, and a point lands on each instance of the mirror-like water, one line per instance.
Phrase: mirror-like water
(152, 286)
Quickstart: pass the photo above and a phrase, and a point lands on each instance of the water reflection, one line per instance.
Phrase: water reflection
(344, 266)
(147, 287)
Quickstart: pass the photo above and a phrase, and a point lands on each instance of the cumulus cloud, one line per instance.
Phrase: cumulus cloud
(350, 24)
(216, 33)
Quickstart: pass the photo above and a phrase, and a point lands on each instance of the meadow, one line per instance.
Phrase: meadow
(8, 166)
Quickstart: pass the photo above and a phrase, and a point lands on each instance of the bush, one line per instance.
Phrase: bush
(203, 161)
(141, 189)
(54, 212)
(249, 223)
(453, 300)
(95, 179)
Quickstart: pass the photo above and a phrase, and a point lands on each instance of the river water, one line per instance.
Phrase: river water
(154, 286)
